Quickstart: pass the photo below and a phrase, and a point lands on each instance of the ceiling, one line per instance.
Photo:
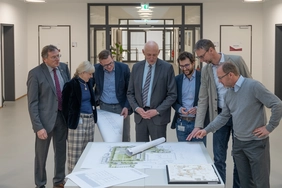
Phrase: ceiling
(138, 1)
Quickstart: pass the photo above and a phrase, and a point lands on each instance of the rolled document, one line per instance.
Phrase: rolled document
(143, 147)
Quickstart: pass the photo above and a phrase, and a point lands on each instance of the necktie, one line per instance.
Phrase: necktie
(146, 86)
(58, 89)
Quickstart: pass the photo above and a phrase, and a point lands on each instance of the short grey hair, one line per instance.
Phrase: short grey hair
(85, 66)
(228, 67)
(204, 44)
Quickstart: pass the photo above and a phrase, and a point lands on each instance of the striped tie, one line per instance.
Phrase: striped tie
(146, 86)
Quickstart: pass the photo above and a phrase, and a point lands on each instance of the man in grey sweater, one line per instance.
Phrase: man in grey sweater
(245, 101)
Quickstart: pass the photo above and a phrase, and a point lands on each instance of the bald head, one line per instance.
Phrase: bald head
(151, 52)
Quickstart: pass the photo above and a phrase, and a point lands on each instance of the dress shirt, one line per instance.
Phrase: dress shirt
(238, 84)
(221, 90)
(58, 74)
(188, 92)
(146, 69)
(109, 88)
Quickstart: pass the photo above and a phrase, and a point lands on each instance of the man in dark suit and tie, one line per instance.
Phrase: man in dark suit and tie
(151, 93)
(188, 86)
(111, 79)
(44, 86)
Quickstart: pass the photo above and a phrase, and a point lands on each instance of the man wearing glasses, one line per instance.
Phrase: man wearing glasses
(111, 79)
(245, 102)
(188, 86)
(211, 97)
(44, 93)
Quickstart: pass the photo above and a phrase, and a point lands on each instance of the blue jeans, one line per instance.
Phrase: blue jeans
(220, 146)
(184, 128)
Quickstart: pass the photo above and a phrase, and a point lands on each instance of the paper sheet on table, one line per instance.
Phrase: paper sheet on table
(110, 126)
(105, 177)
(143, 147)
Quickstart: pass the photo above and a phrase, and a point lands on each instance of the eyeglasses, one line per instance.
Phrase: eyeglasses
(107, 65)
(220, 77)
(184, 66)
(202, 56)
(55, 57)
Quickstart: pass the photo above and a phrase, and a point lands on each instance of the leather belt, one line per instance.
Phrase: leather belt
(189, 119)
(109, 104)
(86, 115)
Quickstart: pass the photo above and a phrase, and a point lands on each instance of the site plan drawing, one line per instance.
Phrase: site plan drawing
(113, 155)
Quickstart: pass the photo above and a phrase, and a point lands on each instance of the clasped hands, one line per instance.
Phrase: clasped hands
(147, 114)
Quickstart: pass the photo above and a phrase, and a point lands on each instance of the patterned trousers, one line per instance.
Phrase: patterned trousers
(78, 139)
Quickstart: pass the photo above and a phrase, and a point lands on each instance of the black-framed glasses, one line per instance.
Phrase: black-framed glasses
(202, 56)
(220, 77)
(107, 65)
(184, 66)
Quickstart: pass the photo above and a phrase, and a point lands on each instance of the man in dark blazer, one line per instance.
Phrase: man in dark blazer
(44, 85)
(188, 86)
(111, 79)
(153, 114)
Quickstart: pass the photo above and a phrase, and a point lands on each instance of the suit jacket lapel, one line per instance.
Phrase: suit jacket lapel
(157, 73)
(77, 89)
(63, 74)
(140, 74)
(100, 81)
(117, 75)
(180, 83)
(197, 88)
(47, 75)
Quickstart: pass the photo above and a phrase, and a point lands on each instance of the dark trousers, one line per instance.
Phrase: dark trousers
(146, 129)
(253, 162)
(220, 147)
(59, 135)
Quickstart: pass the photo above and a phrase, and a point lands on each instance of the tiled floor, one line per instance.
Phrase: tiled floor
(17, 149)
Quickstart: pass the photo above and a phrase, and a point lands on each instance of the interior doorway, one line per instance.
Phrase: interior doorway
(58, 35)
(7, 63)
(278, 61)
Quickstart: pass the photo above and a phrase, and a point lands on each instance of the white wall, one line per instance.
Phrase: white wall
(27, 17)
(15, 12)
(272, 14)
(216, 14)
(74, 14)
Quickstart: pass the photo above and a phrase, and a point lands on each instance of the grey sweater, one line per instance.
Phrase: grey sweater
(247, 109)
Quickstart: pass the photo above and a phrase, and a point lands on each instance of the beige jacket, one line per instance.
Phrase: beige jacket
(208, 94)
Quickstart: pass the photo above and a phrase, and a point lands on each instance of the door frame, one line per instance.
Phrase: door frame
(39, 50)
(7, 78)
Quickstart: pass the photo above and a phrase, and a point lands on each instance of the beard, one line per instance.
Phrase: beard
(188, 72)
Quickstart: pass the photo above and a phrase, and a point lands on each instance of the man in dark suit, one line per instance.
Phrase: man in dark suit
(188, 86)
(151, 93)
(44, 85)
(111, 78)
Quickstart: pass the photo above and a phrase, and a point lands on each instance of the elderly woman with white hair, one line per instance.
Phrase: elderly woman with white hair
(80, 112)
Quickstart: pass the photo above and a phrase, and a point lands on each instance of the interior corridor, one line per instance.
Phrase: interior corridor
(17, 149)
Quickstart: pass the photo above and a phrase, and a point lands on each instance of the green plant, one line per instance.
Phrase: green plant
(117, 51)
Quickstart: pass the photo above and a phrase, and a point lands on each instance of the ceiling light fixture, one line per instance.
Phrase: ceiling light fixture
(250, 1)
(35, 1)
(145, 13)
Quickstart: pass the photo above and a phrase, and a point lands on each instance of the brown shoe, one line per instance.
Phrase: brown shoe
(61, 185)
